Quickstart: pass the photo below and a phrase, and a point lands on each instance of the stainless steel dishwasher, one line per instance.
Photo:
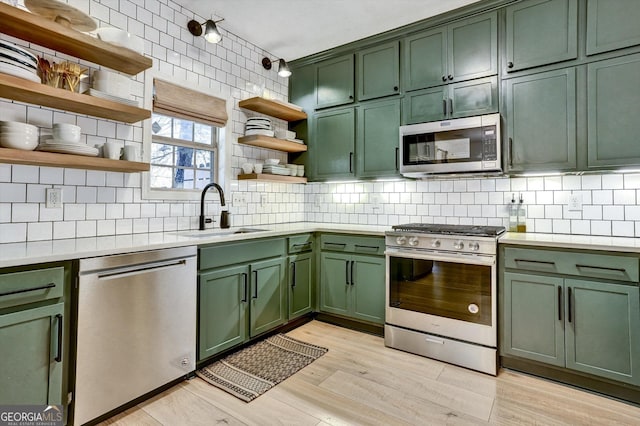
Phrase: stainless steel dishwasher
(136, 326)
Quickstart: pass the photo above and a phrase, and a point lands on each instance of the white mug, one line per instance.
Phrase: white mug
(131, 153)
(111, 150)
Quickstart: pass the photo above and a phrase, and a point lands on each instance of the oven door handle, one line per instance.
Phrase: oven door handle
(482, 260)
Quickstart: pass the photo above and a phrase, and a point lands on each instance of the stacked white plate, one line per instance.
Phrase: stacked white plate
(275, 169)
(66, 140)
(18, 135)
(258, 126)
(18, 62)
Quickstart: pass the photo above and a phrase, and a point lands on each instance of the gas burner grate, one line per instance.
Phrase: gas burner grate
(436, 228)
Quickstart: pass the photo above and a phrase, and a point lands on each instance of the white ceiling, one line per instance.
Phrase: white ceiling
(291, 29)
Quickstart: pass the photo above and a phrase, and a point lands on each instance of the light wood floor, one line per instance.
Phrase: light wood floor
(360, 381)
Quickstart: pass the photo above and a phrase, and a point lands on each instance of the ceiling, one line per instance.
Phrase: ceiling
(291, 29)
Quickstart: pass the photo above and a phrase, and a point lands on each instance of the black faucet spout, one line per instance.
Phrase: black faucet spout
(204, 191)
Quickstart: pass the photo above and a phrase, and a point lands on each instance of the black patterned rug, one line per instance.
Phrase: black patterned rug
(249, 373)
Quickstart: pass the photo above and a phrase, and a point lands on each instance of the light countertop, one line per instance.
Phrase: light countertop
(585, 242)
(25, 253)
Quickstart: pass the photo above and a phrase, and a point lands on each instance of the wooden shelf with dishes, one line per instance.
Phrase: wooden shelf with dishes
(265, 177)
(23, 90)
(49, 159)
(275, 109)
(272, 143)
(44, 32)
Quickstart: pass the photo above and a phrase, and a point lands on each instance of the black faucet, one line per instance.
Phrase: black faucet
(204, 191)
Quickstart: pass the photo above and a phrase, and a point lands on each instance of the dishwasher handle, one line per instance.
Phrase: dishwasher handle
(141, 269)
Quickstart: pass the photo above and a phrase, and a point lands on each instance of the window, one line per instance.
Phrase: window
(183, 153)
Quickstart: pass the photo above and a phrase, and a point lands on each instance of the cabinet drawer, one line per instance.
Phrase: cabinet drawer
(352, 244)
(240, 252)
(300, 243)
(594, 265)
(19, 288)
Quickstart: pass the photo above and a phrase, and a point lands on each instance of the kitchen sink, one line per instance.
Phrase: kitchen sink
(219, 232)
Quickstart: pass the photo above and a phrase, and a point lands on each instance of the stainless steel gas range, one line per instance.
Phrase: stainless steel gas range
(441, 293)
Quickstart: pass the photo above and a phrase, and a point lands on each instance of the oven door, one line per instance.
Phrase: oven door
(451, 295)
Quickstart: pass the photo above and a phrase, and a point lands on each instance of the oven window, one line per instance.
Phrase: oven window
(446, 289)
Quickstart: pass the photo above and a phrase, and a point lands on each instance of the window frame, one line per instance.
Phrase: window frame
(224, 151)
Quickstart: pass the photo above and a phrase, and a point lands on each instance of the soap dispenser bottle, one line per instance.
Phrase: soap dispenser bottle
(513, 214)
(522, 216)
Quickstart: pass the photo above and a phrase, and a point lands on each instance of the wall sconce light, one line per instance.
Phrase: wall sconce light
(211, 33)
(283, 68)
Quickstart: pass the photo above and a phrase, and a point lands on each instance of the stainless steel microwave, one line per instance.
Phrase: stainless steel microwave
(463, 145)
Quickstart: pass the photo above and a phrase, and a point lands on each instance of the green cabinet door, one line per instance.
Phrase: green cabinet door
(603, 331)
(334, 283)
(612, 24)
(540, 32)
(29, 371)
(425, 105)
(473, 48)
(379, 71)
(475, 97)
(333, 143)
(541, 122)
(301, 273)
(425, 59)
(532, 325)
(367, 288)
(377, 138)
(613, 91)
(222, 308)
(334, 82)
(268, 295)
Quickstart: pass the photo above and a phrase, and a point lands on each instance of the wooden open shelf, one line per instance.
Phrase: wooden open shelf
(23, 90)
(50, 159)
(265, 177)
(36, 29)
(274, 109)
(272, 143)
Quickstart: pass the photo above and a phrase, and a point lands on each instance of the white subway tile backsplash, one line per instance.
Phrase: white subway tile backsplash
(624, 196)
(25, 174)
(622, 229)
(612, 181)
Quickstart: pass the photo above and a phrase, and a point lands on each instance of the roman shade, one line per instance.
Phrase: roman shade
(180, 102)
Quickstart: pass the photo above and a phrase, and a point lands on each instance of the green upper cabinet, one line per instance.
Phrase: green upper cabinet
(377, 140)
(602, 336)
(379, 71)
(425, 59)
(268, 295)
(425, 105)
(540, 32)
(333, 143)
(613, 92)
(541, 122)
(461, 51)
(334, 82)
(472, 48)
(612, 24)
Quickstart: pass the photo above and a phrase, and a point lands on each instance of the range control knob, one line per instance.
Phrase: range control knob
(458, 245)
(413, 241)
(435, 243)
(401, 240)
(474, 246)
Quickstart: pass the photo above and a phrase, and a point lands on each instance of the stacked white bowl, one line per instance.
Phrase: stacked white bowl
(66, 133)
(18, 135)
(112, 83)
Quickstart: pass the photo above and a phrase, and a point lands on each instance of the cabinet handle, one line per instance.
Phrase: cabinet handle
(510, 152)
(444, 78)
(350, 96)
(293, 274)
(444, 108)
(395, 88)
(26, 290)
(373, 248)
(450, 106)
(351, 162)
(255, 282)
(509, 64)
(58, 357)
(302, 246)
(603, 268)
(559, 303)
(569, 305)
(450, 77)
(540, 262)
(341, 245)
(352, 262)
(246, 287)
(397, 158)
(346, 272)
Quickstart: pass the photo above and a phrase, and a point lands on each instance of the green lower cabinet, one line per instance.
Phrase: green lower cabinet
(31, 370)
(353, 286)
(301, 273)
(223, 302)
(532, 327)
(377, 138)
(268, 295)
(603, 332)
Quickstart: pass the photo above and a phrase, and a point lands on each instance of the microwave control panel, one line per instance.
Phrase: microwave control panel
(489, 148)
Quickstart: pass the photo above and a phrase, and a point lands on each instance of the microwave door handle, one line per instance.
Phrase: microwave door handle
(397, 158)
(510, 152)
